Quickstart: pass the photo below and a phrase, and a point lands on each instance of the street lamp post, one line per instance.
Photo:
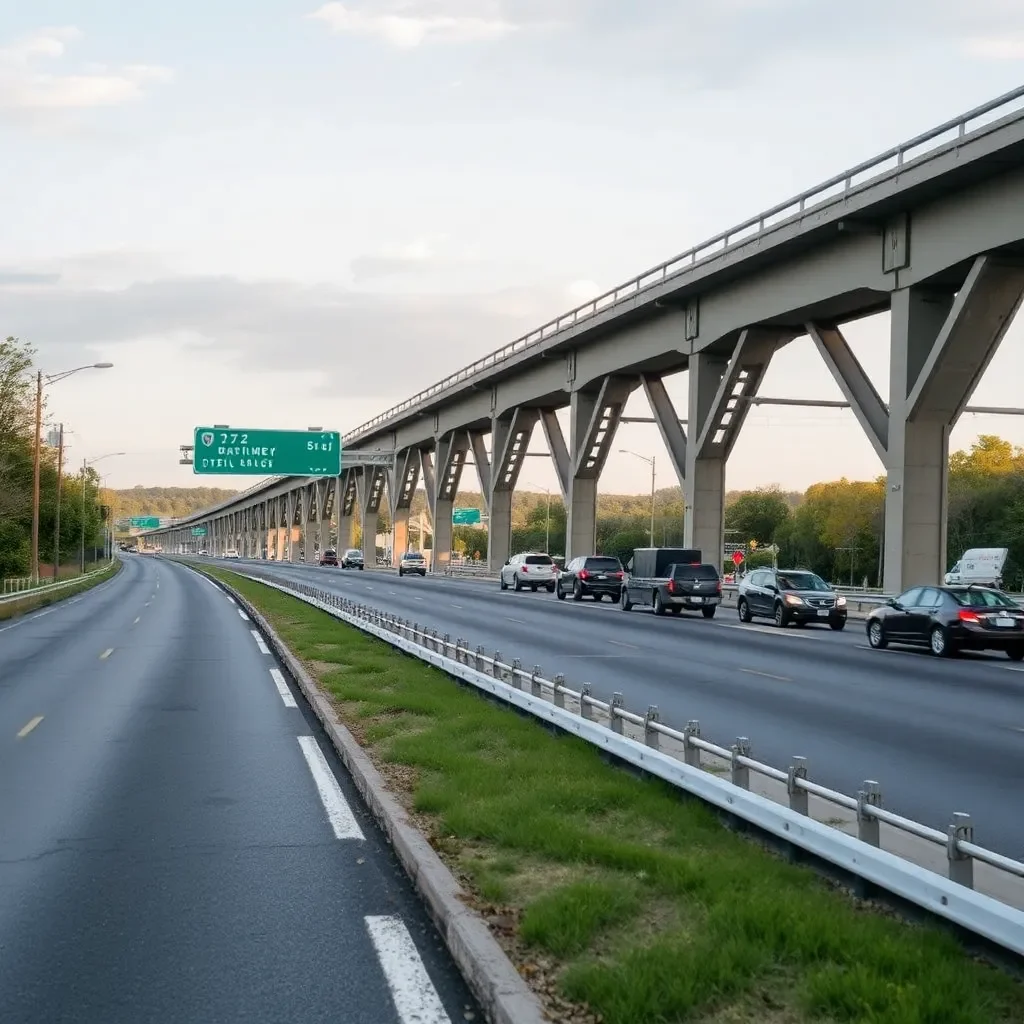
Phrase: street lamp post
(41, 380)
(86, 463)
(651, 460)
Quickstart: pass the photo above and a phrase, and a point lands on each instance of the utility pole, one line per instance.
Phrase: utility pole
(35, 477)
(56, 524)
(652, 499)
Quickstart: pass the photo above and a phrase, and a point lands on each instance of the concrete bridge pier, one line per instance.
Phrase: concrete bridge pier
(371, 484)
(402, 481)
(510, 439)
(452, 452)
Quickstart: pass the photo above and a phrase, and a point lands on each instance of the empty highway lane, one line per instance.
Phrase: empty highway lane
(177, 842)
(940, 736)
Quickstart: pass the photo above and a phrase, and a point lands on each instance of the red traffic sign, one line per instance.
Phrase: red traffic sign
(737, 557)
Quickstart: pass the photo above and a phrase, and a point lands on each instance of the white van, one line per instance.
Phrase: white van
(981, 566)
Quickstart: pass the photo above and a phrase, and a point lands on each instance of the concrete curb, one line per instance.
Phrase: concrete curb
(492, 977)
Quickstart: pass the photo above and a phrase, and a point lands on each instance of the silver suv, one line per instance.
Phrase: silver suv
(529, 570)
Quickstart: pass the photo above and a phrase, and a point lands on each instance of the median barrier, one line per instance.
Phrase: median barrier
(978, 889)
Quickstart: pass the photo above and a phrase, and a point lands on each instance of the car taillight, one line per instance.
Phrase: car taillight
(969, 616)
(619, 575)
(526, 568)
(584, 574)
(718, 586)
(671, 586)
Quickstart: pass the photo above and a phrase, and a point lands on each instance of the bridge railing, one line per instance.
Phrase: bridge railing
(23, 594)
(890, 163)
(721, 775)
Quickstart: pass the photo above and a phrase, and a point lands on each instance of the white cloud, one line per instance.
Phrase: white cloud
(25, 87)
(1010, 47)
(409, 25)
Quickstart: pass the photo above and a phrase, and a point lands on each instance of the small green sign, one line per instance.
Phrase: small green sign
(145, 522)
(230, 451)
(466, 516)
(198, 531)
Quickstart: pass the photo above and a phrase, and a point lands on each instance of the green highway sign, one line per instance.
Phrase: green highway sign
(145, 522)
(198, 531)
(231, 451)
(466, 516)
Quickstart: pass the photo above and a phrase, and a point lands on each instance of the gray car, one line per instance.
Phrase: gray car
(795, 596)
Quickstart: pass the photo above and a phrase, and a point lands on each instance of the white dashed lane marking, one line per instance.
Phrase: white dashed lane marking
(243, 615)
(260, 643)
(339, 814)
(282, 688)
(412, 991)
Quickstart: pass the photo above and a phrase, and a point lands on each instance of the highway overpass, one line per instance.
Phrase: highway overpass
(932, 230)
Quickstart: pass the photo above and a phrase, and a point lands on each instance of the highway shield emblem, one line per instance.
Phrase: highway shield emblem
(206, 438)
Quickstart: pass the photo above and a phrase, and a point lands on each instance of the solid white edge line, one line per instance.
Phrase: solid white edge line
(339, 814)
(282, 688)
(244, 616)
(414, 995)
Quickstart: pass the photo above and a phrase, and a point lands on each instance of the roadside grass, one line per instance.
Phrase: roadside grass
(620, 899)
(33, 602)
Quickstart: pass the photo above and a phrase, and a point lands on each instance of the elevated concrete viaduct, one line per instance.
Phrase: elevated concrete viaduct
(932, 231)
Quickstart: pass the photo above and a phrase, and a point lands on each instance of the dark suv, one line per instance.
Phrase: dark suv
(790, 595)
(591, 576)
(352, 559)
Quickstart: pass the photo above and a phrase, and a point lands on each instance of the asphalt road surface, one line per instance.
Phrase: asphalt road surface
(939, 736)
(177, 841)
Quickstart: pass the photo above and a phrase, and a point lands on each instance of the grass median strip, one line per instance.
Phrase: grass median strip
(33, 602)
(618, 898)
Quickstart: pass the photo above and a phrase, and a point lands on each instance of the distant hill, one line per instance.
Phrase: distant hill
(164, 501)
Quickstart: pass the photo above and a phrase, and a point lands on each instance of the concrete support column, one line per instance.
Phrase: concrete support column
(442, 540)
(282, 543)
(499, 533)
(309, 532)
(399, 534)
(370, 484)
(368, 529)
(325, 534)
(346, 526)
(940, 346)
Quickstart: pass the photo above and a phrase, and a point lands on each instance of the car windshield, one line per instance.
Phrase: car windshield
(694, 572)
(801, 581)
(603, 564)
(982, 599)
(413, 556)
(350, 552)
(538, 560)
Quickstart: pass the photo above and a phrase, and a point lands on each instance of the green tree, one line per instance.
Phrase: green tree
(757, 515)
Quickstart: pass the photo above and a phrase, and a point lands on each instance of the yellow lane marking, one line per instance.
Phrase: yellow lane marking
(29, 727)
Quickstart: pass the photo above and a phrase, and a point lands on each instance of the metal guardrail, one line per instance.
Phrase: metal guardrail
(18, 584)
(49, 588)
(952, 897)
(836, 189)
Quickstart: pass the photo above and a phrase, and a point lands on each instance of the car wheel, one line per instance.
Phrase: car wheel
(400, 574)
(1016, 653)
(876, 635)
(559, 592)
(659, 605)
(780, 616)
(624, 601)
(577, 591)
(708, 613)
(743, 610)
(361, 568)
(551, 588)
(838, 625)
(939, 643)
(533, 589)
(502, 585)
(516, 585)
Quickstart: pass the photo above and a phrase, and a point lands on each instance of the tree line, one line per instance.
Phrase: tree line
(81, 505)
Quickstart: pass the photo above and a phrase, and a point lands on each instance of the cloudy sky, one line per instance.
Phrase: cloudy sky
(284, 214)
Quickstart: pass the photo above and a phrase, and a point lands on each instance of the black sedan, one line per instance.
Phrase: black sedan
(950, 619)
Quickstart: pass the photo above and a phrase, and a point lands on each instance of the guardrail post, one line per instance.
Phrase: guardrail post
(458, 649)
(740, 772)
(558, 696)
(961, 865)
(797, 795)
(478, 664)
(516, 666)
(691, 753)
(586, 709)
(535, 687)
(867, 824)
(651, 736)
(615, 723)
(497, 666)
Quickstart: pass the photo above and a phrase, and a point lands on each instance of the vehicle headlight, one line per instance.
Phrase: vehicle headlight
(793, 599)
(840, 601)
